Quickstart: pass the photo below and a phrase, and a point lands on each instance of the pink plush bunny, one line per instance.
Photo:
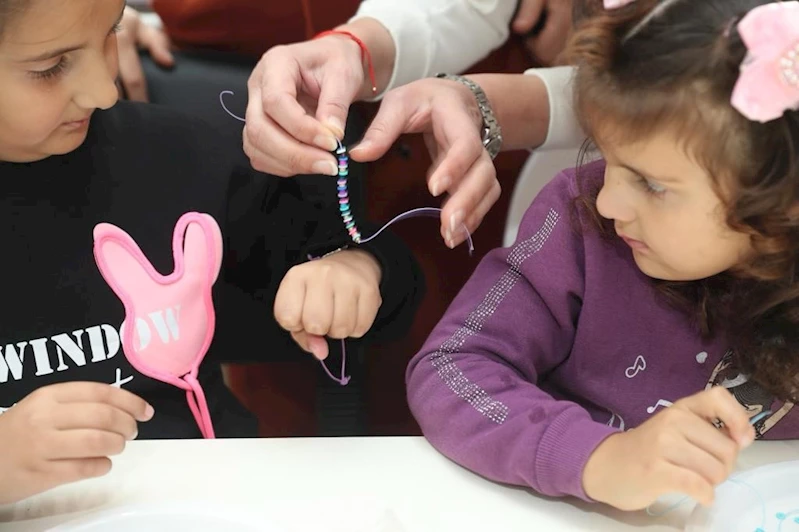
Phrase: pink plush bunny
(169, 320)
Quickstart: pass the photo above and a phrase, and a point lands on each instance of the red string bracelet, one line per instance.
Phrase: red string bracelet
(364, 53)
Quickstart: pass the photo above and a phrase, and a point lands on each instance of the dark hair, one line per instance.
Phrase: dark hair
(676, 73)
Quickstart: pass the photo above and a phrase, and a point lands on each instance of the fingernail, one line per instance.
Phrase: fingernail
(149, 412)
(747, 440)
(134, 436)
(363, 145)
(456, 221)
(449, 240)
(326, 142)
(336, 126)
(325, 168)
(440, 185)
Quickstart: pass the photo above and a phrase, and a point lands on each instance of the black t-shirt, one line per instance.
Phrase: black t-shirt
(141, 168)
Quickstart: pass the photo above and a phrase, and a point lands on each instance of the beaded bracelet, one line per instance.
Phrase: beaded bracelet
(346, 211)
(343, 193)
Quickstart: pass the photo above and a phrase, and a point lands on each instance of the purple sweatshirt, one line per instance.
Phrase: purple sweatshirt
(554, 344)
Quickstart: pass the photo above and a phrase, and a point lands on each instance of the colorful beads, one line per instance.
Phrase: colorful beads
(343, 194)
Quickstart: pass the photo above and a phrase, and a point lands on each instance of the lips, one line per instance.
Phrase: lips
(78, 123)
(633, 243)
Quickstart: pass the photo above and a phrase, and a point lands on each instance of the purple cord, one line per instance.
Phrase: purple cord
(430, 212)
(228, 111)
(345, 379)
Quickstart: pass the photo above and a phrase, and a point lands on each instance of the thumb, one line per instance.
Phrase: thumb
(335, 97)
(315, 345)
(318, 346)
(301, 340)
(157, 43)
(528, 15)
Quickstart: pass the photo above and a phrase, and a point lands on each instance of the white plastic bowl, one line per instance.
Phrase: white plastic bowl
(767, 500)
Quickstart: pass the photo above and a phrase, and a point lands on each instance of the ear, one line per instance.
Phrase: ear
(121, 262)
(198, 241)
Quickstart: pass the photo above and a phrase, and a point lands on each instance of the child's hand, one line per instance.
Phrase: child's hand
(337, 296)
(64, 433)
(677, 451)
(135, 34)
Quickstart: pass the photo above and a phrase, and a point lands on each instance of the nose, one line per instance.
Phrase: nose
(97, 85)
(613, 201)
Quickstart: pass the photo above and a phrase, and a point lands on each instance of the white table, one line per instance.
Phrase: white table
(337, 485)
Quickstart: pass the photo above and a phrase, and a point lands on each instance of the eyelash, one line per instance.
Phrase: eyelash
(59, 68)
(53, 72)
(650, 187)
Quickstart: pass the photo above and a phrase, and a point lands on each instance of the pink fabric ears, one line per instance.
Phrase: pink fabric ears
(169, 320)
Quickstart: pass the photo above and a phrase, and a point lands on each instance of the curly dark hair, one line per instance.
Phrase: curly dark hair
(676, 73)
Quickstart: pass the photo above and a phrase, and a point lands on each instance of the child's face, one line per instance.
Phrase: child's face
(666, 209)
(58, 63)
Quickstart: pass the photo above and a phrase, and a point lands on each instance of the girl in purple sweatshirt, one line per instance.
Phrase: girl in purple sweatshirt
(655, 289)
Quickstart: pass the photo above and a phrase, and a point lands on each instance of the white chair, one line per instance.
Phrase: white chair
(539, 169)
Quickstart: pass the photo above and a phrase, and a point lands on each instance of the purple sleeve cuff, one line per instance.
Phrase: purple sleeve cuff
(564, 450)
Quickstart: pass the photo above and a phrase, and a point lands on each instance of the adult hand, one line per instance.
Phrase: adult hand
(299, 98)
(446, 113)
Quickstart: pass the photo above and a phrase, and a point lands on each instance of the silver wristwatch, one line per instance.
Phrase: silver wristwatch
(492, 132)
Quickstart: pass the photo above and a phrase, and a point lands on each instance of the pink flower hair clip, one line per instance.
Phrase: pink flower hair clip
(768, 84)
